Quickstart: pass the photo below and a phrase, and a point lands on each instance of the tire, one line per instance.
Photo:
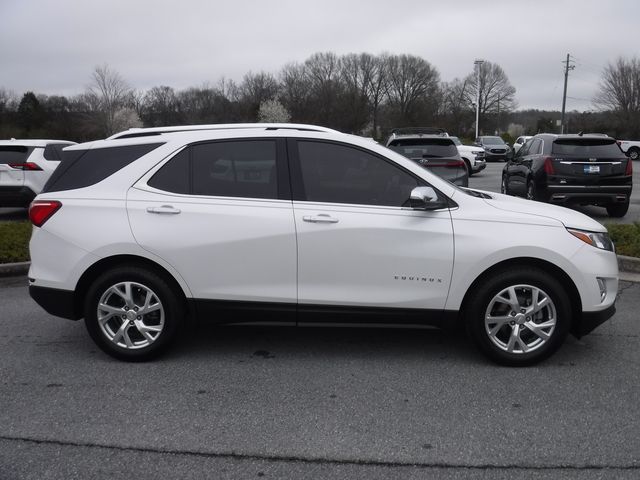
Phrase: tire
(634, 153)
(503, 186)
(468, 165)
(125, 330)
(618, 210)
(531, 190)
(519, 338)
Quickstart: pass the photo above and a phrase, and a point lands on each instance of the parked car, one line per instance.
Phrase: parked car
(473, 156)
(438, 153)
(298, 224)
(495, 148)
(631, 148)
(25, 166)
(520, 141)
(571, 169)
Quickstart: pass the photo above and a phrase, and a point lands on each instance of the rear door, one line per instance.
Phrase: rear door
(588, 161)
(218, 212)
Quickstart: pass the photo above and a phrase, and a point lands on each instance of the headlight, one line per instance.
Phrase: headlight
(595, 239)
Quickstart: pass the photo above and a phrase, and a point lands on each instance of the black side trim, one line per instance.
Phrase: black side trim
(56, 302)
(591, 320)
(226, 311)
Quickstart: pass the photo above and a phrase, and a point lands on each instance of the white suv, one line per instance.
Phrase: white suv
(25, 166)
(297, 224)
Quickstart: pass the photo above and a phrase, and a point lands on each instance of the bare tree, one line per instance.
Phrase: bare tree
(295, 91)
(413, 87)
(160, 107)
(496, 92)
(620, 92)
(255, 89)
(110, 93)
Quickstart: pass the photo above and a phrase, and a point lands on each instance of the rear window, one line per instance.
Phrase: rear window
(587, 147)
(424, 147)
(13, 154)
(82, 168)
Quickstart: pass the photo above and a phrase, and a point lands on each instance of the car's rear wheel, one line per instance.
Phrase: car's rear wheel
(618, 210)
(519, 317)
(132, 314)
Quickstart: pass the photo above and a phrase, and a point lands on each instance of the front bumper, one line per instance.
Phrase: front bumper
(478, 166)
(590, 320)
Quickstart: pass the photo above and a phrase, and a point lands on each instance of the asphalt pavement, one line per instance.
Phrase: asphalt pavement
(249, 402)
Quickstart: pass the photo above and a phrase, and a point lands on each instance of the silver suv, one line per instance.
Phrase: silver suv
(25, 166)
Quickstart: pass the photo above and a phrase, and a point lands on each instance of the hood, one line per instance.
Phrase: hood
(570, 218)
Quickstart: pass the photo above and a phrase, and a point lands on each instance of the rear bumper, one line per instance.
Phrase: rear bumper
(592, 194)
(591, 320)
(16, 196)
(60, 303)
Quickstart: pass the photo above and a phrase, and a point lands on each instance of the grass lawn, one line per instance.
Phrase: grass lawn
(14, 241)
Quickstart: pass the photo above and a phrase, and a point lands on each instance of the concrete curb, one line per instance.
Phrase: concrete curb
(625, 264)
(14, 269)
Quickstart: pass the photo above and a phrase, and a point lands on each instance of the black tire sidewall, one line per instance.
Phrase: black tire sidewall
(164, 293)
(477, 307)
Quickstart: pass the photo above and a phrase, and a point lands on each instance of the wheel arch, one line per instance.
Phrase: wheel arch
(528, 262)
(108, 263)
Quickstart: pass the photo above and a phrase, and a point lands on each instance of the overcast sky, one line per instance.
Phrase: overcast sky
(52, 46)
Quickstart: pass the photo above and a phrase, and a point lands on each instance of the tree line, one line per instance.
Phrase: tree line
(357, 93)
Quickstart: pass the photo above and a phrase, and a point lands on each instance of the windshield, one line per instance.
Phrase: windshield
(424, 147)
(492, 141)
(587, 147)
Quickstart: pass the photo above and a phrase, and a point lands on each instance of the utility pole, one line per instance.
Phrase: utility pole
(567, 67)
(477, 65)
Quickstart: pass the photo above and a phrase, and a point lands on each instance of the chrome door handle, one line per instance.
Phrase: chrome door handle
(166, 209)
(320, 218)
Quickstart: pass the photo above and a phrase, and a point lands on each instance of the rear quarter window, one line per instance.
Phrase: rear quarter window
(82, 168)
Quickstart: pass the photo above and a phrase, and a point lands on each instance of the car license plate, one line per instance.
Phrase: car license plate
(592, 169)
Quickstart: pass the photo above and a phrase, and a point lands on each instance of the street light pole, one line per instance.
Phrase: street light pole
(477, 65)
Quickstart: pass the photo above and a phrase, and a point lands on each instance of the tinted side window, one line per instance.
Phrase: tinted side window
(340, 174)
(81, 168)
(235, 169)
(174, 175)
(53, 151)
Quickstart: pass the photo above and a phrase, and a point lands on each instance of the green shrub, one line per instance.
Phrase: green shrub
(14, 241)
(626, 238)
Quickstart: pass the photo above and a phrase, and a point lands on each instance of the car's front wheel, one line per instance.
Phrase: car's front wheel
(132, 314)
(519, 316)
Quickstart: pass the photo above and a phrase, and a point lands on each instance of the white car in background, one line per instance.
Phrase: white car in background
(25, 166)
(295, 223)
(520, 141)
(472, 155)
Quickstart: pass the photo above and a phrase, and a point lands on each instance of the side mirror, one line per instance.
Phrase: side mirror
(426, 198)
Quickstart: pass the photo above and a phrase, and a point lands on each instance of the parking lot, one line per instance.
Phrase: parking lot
(247, 402)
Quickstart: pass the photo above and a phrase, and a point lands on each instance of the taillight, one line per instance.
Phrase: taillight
(25, 166)
(41, 210)
(548, 166)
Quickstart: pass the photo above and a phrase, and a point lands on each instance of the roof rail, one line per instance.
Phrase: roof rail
(147, 132)
(419, 131)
